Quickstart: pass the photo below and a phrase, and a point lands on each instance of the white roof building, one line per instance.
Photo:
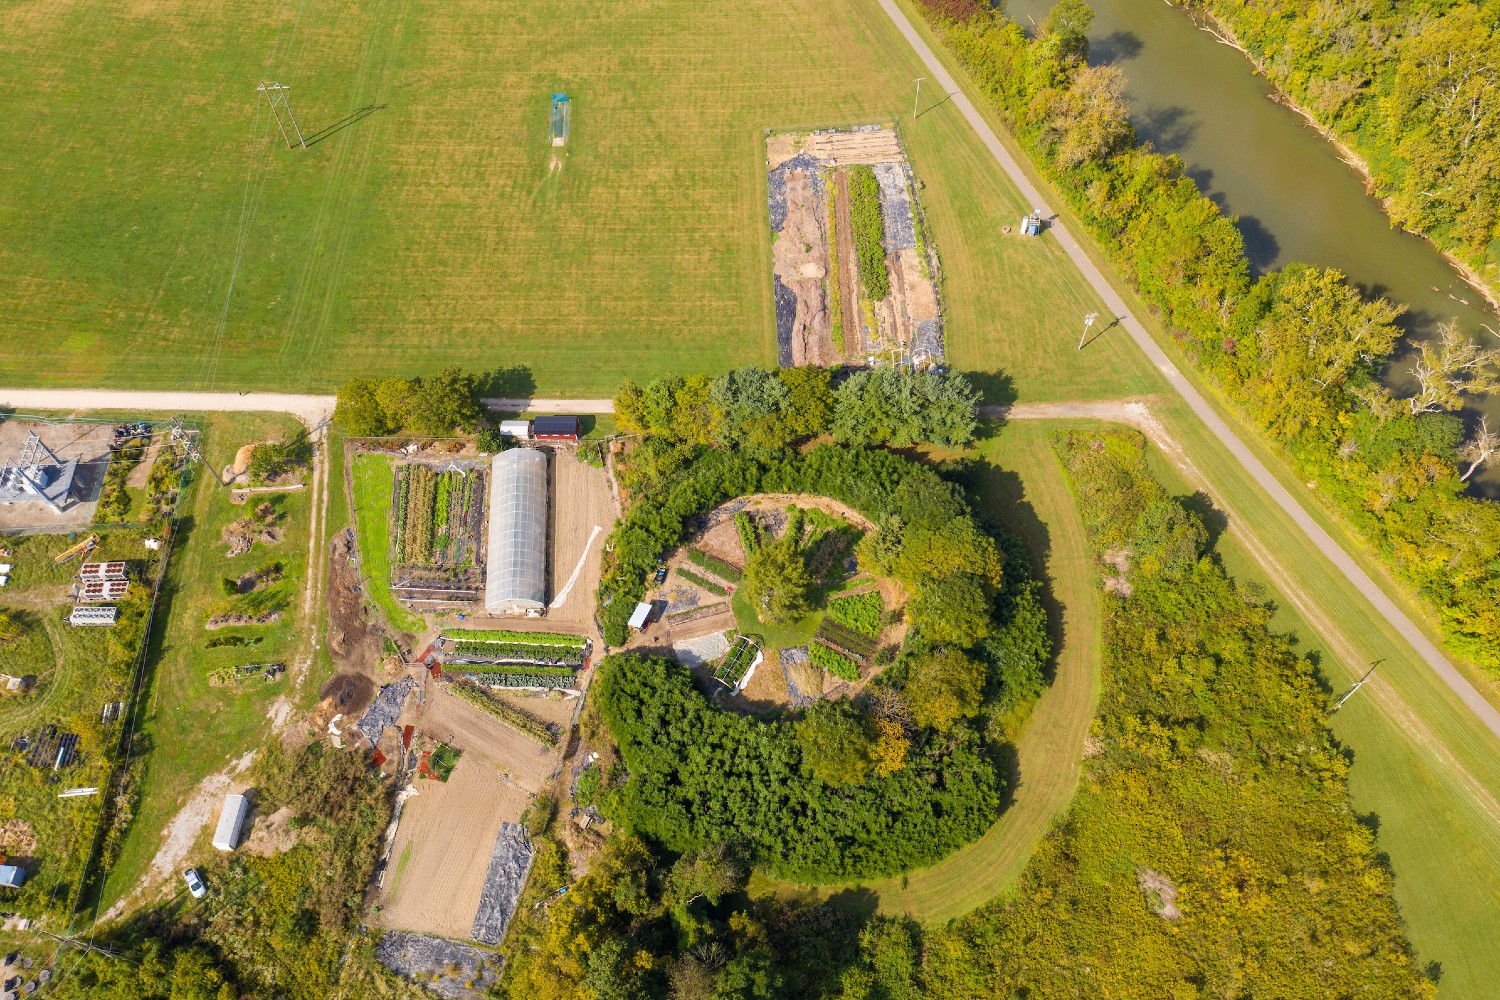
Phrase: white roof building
(516, 568)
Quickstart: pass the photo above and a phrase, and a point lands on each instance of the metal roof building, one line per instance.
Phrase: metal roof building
(516, 571)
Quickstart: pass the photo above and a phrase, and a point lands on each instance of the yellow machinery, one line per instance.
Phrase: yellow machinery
(83, 548)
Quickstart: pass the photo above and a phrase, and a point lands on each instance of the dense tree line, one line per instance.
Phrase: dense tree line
(698, 775)
(1410, 87)
(752, 408)
(1211, 850)
(1300, 350)
(443, 403)
(643, 924)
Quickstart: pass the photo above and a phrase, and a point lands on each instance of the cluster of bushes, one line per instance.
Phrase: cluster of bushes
(114, 498)
(540, 677)
(274, 459)
(530, 652)
(1214, 770)
(869, 231)
(753, 408)
(860, 612)
(699, 775)
(1299, 350)
(444, 403)
(833, 661)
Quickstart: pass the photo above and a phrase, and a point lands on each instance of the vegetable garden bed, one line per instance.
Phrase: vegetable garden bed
(438, 519)
(730, 669)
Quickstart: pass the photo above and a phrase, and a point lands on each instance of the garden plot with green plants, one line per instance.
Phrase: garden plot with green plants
(437, 518)
(504, 658)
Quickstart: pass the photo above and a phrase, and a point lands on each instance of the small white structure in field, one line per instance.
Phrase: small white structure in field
(519, 429)
(231, 818)
(640, 616)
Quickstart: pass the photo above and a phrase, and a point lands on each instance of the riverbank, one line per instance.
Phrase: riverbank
(1206, 21)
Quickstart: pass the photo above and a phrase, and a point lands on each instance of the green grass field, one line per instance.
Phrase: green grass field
(195, 728)
(175, 241)
(373, 482)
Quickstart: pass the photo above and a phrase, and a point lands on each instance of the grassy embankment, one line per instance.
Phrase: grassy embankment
(432, 230)
(195, 728)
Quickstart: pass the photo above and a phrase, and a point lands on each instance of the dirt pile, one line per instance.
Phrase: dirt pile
(242, 533)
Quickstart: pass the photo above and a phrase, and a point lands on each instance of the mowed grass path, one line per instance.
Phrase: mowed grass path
(158, 233)
(1023, 487)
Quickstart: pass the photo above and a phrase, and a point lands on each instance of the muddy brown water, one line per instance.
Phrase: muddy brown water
(1296, 200)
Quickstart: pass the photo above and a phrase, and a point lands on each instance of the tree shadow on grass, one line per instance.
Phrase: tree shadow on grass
(514, 382)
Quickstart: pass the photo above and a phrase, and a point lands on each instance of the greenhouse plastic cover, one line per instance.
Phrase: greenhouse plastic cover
(516, 573)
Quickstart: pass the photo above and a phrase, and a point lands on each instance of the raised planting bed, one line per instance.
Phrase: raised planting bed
(833, 661)
(718, 567)
(693, 614)
(506, 635)
(859, 613)
(730, 669)
(462, 649)
(704, 582)
(531, 679)
(841, 637)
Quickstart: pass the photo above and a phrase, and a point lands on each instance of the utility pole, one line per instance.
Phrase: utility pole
(280, 96)
(84, 945)
(916, 96)
(1088, 323)
(181, 435)
(1357, 685)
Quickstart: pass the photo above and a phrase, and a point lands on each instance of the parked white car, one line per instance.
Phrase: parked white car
(194, 883)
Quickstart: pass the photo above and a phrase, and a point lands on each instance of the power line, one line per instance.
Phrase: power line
(280, 97)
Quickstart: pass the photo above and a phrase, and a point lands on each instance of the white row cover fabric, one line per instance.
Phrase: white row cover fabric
(516, 573)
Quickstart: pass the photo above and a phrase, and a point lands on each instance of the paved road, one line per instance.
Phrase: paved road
(1200, 406)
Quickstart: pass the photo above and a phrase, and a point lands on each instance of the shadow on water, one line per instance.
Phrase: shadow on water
(1262, 248)
(1170, 129)
(1117, 46)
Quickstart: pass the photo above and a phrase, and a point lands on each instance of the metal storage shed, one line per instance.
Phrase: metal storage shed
(12, 876)
(516, 571)
(555, 428)
(227, 835)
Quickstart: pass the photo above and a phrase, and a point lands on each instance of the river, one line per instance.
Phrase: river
(1296, 200)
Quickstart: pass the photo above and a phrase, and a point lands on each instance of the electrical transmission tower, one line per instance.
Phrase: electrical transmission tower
(280, 97)
(189, 442)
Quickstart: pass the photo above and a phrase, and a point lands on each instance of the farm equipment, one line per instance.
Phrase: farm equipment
(81, 549)
(127, 434)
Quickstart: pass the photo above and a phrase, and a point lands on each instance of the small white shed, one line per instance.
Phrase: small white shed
(520, 429)
(231, 818)
(640, 616)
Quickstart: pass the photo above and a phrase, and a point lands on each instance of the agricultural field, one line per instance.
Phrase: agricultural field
(437, 543)
(853, 273)
(425, 222)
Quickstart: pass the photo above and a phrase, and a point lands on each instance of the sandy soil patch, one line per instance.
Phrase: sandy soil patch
(448, 718)
(580, 502)
(86, 443)
(801, 262)
(543, 707)
(443, 846)
(878, 145)
(140, 476)
(271, 834)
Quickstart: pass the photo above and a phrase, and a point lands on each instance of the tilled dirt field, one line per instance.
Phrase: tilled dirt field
(442, 849)
(448, 718)
(580, 502)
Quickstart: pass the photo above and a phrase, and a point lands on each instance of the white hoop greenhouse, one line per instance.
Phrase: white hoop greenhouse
(516, 573)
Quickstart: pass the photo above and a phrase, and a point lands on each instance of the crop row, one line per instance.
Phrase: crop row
(516, 651)
(534, 680)
(718, 567)
(833, 661)
(860, 612)
(508, 714)
(444, 500)
(416, 538)
(869, 231)
(523, 638)
(860, 647)
(705, 583)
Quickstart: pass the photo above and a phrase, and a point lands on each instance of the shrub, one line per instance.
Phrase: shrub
(861, 612)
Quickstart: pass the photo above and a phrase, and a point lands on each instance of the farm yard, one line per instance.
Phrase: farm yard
(854, 272)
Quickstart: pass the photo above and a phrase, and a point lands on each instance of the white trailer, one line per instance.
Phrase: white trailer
(518, 429)
(231, 818)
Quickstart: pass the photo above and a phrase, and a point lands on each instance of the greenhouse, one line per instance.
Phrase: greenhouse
(516, 573)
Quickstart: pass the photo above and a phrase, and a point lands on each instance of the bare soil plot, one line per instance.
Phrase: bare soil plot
(580, 502)
(809, 284)
(448, 718)
(443, 846)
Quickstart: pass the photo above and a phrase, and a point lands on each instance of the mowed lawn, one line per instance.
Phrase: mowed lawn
(158, 232)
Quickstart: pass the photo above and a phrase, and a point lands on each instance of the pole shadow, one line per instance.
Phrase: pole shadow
(343, 123)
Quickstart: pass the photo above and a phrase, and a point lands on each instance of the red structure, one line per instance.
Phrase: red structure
(554, 428)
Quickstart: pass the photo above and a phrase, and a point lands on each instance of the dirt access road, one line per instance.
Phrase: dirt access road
(1200, 406)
